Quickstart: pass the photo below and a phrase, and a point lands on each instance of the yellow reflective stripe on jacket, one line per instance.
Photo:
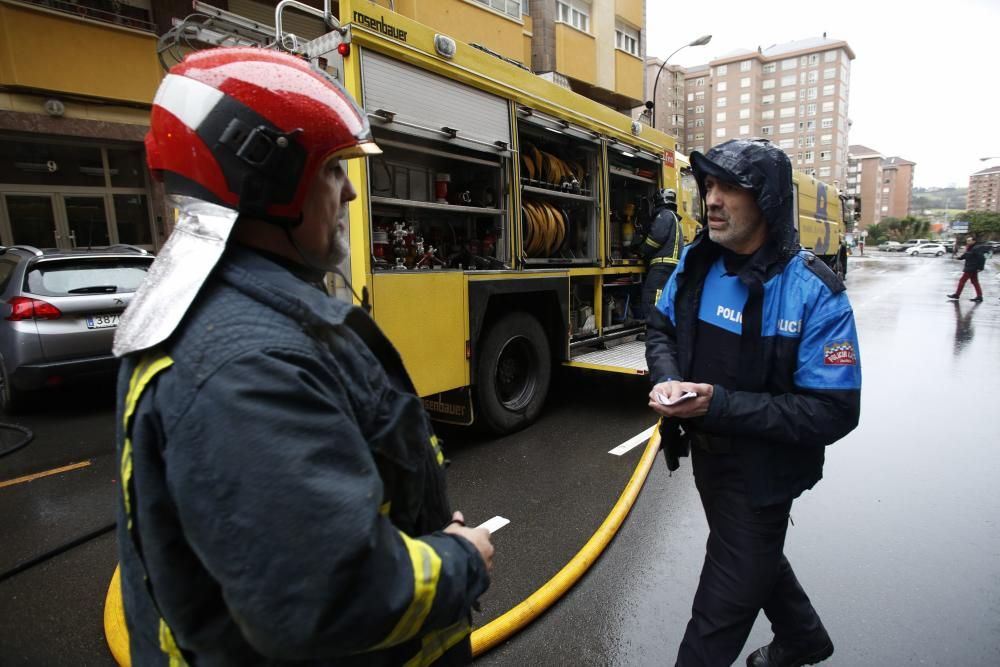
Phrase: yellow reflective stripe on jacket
(144, 372)
(653, 244)
(675, 258)
(436, 446)
(663, 260)
(385, 508)
(169, 646)
(435, 644)
(426, 572)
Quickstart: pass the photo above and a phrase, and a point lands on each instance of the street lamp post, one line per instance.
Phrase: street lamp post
(651, 105)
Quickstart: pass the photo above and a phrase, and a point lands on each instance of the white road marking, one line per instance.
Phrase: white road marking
(633, 442)
(494, 524)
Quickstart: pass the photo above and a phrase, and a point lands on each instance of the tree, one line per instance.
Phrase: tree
(984, 224)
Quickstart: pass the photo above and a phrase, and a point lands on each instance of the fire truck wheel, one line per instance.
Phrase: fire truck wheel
(512, 374)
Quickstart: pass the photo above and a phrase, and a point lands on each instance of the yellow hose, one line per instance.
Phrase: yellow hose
(491, 634)
(502, 628)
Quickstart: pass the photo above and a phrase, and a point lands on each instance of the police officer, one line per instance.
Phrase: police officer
(661, 247)
(283, 495)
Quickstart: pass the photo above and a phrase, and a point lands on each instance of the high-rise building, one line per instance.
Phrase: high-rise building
(897, 187)
(878, 186)
(984, 190)
(665, 88)
(795, 94)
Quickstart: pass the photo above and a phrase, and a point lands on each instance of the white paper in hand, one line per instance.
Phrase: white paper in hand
(494, 524)
(683, 397)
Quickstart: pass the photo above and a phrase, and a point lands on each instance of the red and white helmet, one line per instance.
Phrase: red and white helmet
(248, 128)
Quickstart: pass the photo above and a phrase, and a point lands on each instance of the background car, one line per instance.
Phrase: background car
(59, 311)
(935, 249)
(890, 246)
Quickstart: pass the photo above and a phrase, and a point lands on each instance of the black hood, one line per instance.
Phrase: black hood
(764, 169)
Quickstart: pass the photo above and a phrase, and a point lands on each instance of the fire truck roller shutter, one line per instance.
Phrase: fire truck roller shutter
(421, 98)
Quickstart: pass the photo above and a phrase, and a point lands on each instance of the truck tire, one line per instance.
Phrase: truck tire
(513, 372)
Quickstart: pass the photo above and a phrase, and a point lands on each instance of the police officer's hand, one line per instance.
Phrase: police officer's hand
(686, 409)
(479, 537)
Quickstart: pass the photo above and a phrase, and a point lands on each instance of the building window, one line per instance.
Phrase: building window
(627, 39)
(789, 63)
(829, 72)
(690, 97)
(788, 96)
(767, 130)
(720, 133)
(807, 157)
(788, 80)
(826, 139)
(812, 76)
(767, 99)
(768, 84)
(721, 87)
(810, 109)
(700, 108)
(827, 107)
(720, 102)
(828, 90)
(744, 130)
(720, 117)
(700, 81)
(826, 123)
(509, 7)
(699, 136)
(786, 143)
(745, 66)
(699, 122)
(786, 112)
(769, 68)
(786, 128)
(744, 98)
(810, 125)
(767, 115)
(574, 12)
(830, 57)
(810, 141)
(699, 95)
(824, 155)
(811, 93)
(745, 82)
(813, 58)
(744, 114)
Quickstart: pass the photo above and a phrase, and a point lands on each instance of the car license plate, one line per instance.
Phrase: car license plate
(102, 321)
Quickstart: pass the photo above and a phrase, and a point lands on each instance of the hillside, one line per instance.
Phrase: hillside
(925, 198)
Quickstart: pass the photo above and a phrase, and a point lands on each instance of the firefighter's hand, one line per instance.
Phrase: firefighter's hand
(479, 537)
(686, 409)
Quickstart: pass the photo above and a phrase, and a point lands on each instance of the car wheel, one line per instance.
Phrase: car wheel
(938, 253)
(512, 373)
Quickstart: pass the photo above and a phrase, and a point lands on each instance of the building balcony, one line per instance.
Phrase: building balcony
(96, 56)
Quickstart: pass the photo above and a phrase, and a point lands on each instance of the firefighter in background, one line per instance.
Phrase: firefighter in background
(661, 248)
(283, 496)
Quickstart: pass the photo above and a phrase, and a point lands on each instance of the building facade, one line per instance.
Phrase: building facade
(665, 89)
(984, 190)
(864, 185)
(897, 187)
(77, 80)
(794, 94)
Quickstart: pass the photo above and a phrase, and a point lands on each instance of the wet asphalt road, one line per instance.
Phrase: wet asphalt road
(898, 547)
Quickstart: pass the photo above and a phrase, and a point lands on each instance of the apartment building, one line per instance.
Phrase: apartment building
(897, 187)
(665, 88)
(77, 79)
(984, 190)
(795, 94)
(864, 185)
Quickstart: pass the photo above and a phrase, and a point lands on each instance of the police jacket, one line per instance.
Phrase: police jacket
(662, 244)
(283, 493)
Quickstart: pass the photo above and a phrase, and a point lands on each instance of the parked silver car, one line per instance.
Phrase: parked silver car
(60, 309)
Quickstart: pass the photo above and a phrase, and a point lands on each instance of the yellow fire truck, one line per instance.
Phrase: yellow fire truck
(821, 222)
(496, 235)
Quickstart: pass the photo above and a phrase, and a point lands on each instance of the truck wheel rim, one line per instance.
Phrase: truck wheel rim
(515, 376)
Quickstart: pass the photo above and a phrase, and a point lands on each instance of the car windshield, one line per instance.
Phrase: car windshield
(91, 276)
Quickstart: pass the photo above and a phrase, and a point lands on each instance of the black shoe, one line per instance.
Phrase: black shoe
(978, 299)
(777, 654)
(952, 296)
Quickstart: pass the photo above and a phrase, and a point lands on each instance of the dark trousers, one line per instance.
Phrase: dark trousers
(745, 571)
(973, 277)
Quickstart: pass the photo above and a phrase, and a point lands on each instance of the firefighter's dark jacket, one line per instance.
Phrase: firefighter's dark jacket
(661, 241)
(284, 492)
(799, 377)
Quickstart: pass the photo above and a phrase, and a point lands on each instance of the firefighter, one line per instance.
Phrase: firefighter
(283, 496)
(661, 247)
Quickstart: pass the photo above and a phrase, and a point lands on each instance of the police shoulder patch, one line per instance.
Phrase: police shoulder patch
(840, 353)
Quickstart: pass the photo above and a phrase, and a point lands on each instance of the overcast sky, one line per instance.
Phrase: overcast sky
(924, 83)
